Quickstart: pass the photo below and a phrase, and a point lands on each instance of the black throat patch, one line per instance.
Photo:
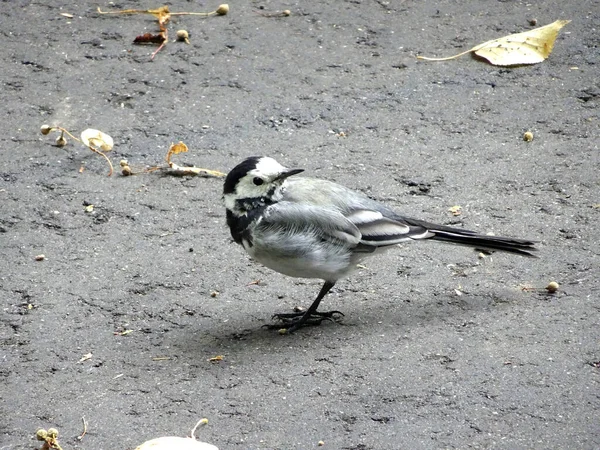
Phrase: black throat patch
(239, 226)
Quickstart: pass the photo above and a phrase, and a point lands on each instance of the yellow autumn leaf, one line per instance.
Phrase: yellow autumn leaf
(175, 149)
(529, 47)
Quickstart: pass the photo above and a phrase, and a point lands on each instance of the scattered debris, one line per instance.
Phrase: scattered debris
(176, 170)
(85, 357)
(80, 437)
(284, 13)
(179, 443)
(95, 140)
(552, 287)
(163, 15)
(529, 47)
(122, 333)
(455, 210)
(61, 141)
(50, 439)
(99, 142)
(217, 358)
(184, 36)
(125, 169)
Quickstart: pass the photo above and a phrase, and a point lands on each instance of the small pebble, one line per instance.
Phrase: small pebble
(40, 257)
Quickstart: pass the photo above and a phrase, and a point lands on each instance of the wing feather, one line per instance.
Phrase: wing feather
(380, 231)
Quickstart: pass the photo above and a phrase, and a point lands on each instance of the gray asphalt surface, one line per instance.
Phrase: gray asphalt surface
(438, 348)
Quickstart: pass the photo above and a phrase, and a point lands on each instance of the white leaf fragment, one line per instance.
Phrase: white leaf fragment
(97, 139)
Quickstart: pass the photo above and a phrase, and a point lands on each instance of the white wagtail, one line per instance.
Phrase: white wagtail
(312, 228)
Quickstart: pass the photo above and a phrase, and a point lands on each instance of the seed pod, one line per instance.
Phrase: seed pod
(183, 35)
(528, 136)
(46, 129)
(61, 141)
(222, 9)
(41, 434)
(552, 287)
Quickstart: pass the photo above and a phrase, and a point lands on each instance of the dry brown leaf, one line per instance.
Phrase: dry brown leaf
(529, 47)
(175, 149)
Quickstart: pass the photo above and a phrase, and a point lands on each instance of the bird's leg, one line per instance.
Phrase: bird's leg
(293, 321)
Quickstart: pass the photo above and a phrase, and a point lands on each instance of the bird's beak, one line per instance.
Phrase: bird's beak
(289, 173)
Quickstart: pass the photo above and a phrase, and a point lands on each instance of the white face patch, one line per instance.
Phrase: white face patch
(259, 182)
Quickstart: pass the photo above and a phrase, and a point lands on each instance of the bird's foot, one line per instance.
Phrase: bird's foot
(292, 321)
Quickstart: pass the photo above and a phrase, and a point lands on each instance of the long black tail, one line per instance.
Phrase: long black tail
(472, 239)
(511, 245)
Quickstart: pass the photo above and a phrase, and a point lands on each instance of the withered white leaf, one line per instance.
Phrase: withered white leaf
(97, 139)
(173, 442)
(529, 47)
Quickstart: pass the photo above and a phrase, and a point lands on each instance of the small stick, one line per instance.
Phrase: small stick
(200, 422)
(104, 156)
(158, 49)
(84, 429)
(425, 58)
(128, 11)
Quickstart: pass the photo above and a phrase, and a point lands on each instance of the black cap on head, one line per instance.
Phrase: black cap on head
(239, 172)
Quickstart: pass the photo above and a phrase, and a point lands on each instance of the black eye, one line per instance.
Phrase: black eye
(258, 181)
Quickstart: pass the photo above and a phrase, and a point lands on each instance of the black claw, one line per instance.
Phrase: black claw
(292, 321)
(295, 320)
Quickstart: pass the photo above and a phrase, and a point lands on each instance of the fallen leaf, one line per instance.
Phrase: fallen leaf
(97, 139)
(174, 442)
(529, 47)
(149, 38)
(175, 149)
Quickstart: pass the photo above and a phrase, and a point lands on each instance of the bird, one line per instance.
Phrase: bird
(315, 228)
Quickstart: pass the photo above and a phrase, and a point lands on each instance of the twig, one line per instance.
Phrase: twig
(200, 422)
(80, 437)
(105, 157)
(158, 49)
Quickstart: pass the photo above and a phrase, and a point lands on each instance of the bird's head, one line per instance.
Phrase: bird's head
(258, 179)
